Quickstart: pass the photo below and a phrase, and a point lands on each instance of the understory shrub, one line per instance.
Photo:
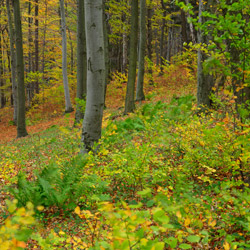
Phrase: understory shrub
(164, 178)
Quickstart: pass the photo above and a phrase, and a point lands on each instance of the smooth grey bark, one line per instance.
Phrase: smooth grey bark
(44, 38)
(1, 71)
(68, 106)
(162, 42)
(36, 45)
(92, 123)
(130, 102)
(81, 89)
(29, 87)
(13, 61)
(149, 45)
(142, 46)
(21, 126)
(205, 81)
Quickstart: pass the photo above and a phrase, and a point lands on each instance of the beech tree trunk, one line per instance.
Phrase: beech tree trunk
(130, 102)
(205, 81)
(92, 123)
(36, 45)
(68, 106)
(149, 43)
(21, 127)
(139, 90)
(81, 62)
(13, 61)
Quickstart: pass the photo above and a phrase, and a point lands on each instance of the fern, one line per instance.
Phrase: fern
(59, 186)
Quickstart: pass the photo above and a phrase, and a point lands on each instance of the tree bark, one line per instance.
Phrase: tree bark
(36, 45)
(205, 81)
(81, 62)
(68, 106)
(92, 123)
(13, 61)
(162, 42)
(21, 126)
(149, 43)
(139, 90)
(130, 103)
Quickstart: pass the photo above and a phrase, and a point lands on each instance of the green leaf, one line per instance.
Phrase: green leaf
(145, 192)
(185, 246)
(158, 246)
(172, 242)
(193, 238)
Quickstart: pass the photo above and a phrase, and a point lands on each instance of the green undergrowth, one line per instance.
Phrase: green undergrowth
(163, 178)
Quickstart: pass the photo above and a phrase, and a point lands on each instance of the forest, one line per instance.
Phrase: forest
(125, 124)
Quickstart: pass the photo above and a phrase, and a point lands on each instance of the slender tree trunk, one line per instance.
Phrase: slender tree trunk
(1, 72)
(169, 43)
(68, 106)
(21, 127)
(92, 123)
(184, 27)
(149, 44)
(44, 38)
(130, 102)
(29, 87)
(36, 45)
(139, 90)
(81, 62)
(205, 82)
(162, 42)
(13, 61)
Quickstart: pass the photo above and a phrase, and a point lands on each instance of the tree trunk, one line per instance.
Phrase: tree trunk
(21, 127)
(30, 86)
(139, 90)
(68, 106)
(92, 123)
(44, 39)
(130, 103)
(205, 82)
(13, 61)
(184, 27)
(1, 71)
(149, 44)
(162, 42)
(81, 62)
(36, 45)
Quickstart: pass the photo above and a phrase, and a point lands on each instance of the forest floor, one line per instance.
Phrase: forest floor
(177, 83)
(163, 177)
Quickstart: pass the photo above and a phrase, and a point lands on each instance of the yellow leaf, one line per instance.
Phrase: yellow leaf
(144, 242)
(77, 210)
(226, 246)
(178, 214)
(187, 222)
(212, 223)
